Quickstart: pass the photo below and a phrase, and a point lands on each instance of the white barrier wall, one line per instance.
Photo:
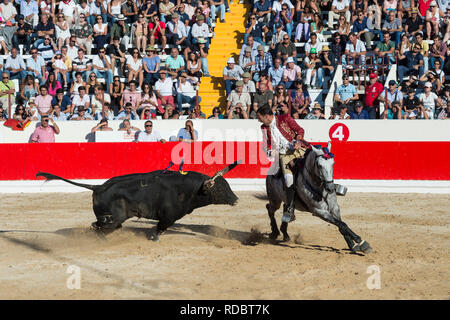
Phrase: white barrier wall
(249, 130)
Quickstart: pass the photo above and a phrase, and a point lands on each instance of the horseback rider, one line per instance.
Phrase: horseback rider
(284, 136)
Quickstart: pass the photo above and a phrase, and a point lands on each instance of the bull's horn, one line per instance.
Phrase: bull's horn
(209, 183)
(329, 146)
(226, 169)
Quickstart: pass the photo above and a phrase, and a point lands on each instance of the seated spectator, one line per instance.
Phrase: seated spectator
(253, 28)
(203, 54)
(360, 27)
(99, 99)
(148, 101)
(413, 63)
(135, 68)
(170, 112)
(116, 51)
(126, 126)
(57, 114)
(78, 82)
(140, 33)
(102, 126)
(164, 90)
(249, 85)
(63, 102)
(252, 45)
(131, 95)
(300, 101)
(237, 112)
(445, 113)
(91, 84)
(262, 10)
(410, 83)
(433, 19)
(262, 97)
(45, 133)
(7, 91)
(281, 95)
(425, 50)
(200, 30)
(343, 28)
(116, 91)
(430, 101)
(43, 101)
(231, 74)
(355, 51)
(314, 71)
(338, 7)
(81, 64)
(121, 30)
(431, 77)
(3, 115)
(372, 92)
(29, 10)
(393, 94)
(15, 66)
(341, 114)
(316, 113)
(394, 26)
(238, 97)
(404, 46)
(181, 11)
(47, 50)
(60, 69)
(278, 36)
(149, 135)
(81, 10)
(302, 31)
(327, 66)
(22, 35)
(359, 113)
(313, 43)
(394, 112)
(174, 63)
(411, 105)
(151, 64)
(194, 65)
(438, 50)
(264, 81)
(356, 7)
(28, 89)
(437, 69)
(186, 92)
(337, 49)
(285, 17)
(188, 133)
(346, 94)
(157, 32)
(45, 28)
(286, 49)
(178, 33)
(292, 73)
(216, 7)
(263, 62)
(72, 48)
(62, 31)
(100, 32)
(52, 84)
(82, 99)
(385, 50)
(102, 67)
(247, 61)
(127, 113)
(21, 115)
(413, 24)
(105, 113)
(216, 114)
(276, 72)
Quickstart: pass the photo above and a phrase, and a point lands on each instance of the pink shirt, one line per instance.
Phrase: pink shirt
(43, 103)
(43, 135)
(291, 74)
(52, 91)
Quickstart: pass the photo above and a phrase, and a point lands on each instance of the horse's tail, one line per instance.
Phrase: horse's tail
(49, 176)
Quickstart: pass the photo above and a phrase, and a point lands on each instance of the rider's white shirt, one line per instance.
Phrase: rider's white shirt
(279, 142)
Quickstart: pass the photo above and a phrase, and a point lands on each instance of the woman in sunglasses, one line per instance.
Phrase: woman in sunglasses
(100, 32)
(62, 31)
(135, 68)
(21, 114)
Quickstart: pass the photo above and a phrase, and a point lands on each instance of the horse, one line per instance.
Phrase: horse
(315, 193)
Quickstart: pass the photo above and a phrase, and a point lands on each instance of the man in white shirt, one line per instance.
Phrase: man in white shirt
(150, 135)
(186, 92)
(102, 67)
(15, 66)
(338, 7)
(178, 31)
(8, 11)
(200, 30)
(163, 90)
(355, 52)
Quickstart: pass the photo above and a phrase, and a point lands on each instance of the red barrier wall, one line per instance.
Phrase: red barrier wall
(354, 160)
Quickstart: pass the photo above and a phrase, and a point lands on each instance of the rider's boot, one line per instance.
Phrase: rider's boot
(288, 208)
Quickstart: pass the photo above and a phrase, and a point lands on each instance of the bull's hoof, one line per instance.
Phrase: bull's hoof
(365, 247)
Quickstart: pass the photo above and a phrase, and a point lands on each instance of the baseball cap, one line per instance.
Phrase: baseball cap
(433, 4)
(313, 50)
(373, 75)
(260, 47)
(201, 17)
(392, 82)
(230, 60)
(290, 59)
(248, 49)
(345, 76)
(246, 75)
(239, 83)
(20, 17)
(358, 104)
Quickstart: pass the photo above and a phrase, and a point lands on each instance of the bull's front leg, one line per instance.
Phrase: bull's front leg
(162, 226)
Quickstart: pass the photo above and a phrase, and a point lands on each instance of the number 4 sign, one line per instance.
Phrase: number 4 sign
(339, 131)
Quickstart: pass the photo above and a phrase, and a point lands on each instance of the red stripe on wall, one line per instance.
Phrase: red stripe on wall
(353, 160)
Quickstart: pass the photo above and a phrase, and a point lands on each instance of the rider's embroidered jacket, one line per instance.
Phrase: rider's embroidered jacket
(287, 127)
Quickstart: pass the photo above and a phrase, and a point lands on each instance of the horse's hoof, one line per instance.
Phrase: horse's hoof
(355, 248)
(365, 247)
(286, 238)
(274, 235)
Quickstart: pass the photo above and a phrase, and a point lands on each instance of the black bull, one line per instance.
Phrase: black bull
(160, 195)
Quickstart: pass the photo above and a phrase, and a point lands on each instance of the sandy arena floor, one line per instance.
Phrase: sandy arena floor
(222, 252)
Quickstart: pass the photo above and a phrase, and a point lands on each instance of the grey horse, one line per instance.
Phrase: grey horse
(315, 193)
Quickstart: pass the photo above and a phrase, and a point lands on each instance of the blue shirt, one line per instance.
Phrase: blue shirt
(36, 65)
(64, 103)
(363, 115)
(62, 117)
(276, 75)
(183, 134)
(358, 27)
(151, 62)
(28, 8)
(346, 92)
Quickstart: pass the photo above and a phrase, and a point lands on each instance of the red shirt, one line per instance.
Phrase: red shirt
(162, 25)
(372, 93)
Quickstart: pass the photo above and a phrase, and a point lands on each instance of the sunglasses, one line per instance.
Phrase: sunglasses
(148, 125)
(5, 77)
(135, 52)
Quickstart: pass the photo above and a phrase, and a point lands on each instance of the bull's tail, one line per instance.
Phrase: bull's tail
(50, 176)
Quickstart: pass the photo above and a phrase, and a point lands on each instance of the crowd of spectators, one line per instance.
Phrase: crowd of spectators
(94, 60)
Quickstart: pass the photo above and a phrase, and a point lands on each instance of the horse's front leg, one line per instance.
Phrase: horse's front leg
(271, 208)
(283, 229)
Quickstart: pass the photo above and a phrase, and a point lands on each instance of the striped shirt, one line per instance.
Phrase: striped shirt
(80, 63)
(263, 63)
(46, 51)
